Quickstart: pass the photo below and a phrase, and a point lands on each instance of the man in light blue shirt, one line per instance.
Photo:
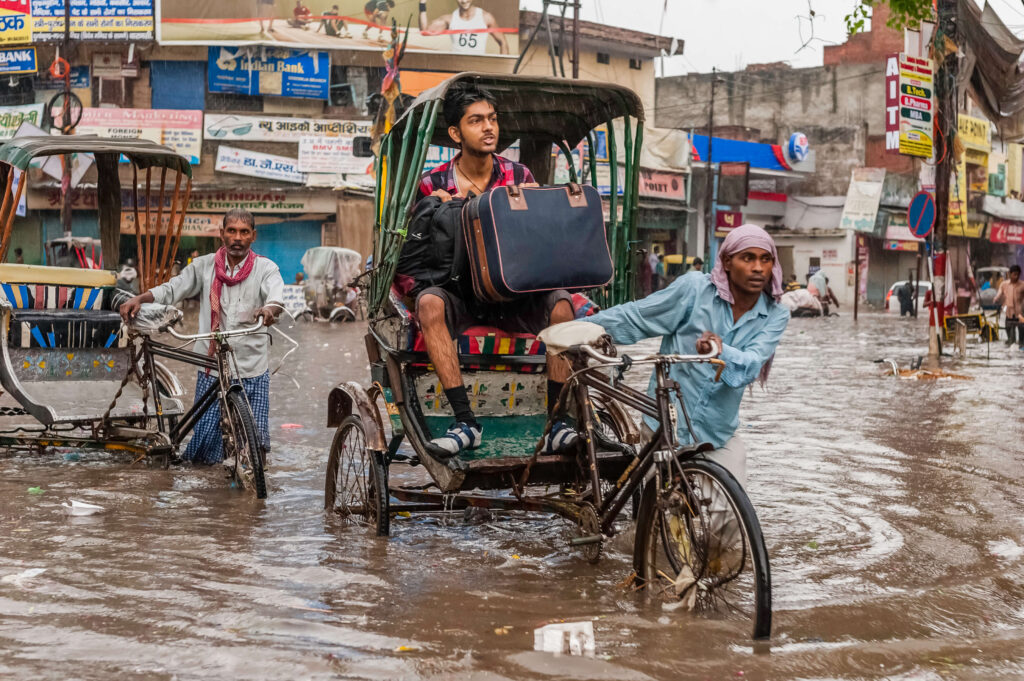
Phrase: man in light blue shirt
(737, 307)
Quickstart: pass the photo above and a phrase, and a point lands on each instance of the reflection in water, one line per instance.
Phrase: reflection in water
(892, 511)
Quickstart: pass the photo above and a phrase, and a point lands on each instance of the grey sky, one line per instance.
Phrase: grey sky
(730, 34)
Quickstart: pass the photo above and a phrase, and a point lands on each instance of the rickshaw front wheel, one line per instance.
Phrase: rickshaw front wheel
(357, 481)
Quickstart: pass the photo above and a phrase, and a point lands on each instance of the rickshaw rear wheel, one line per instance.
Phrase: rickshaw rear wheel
(243, 444)
(698, 540)
(357, 480)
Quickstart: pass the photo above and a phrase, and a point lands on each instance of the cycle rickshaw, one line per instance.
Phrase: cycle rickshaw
(697, 536)
(73, 375)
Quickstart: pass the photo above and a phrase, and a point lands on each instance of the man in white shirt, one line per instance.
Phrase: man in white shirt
(235, 287)
(469, 25)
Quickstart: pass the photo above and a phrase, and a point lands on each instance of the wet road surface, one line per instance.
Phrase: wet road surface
(892, 510)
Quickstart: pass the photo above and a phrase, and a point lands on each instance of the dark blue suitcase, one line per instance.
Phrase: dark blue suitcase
(526, 240)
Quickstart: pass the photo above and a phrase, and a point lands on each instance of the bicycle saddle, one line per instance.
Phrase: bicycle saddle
(560, 337)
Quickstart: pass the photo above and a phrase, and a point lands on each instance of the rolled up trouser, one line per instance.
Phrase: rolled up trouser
(732, 455)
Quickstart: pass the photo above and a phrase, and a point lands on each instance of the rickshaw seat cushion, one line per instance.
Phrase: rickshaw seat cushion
(489, 340)
(64, 329)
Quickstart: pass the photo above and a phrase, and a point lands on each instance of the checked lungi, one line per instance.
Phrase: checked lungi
(207, 445)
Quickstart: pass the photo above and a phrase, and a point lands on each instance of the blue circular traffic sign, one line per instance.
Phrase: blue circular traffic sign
(921, 214)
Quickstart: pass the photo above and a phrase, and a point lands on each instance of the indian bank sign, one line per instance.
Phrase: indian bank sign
(662, 185)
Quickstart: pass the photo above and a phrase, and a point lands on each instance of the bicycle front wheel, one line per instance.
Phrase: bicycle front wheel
(241, 442)
(698, 541)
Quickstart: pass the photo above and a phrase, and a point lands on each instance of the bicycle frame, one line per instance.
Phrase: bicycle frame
(221, 362)
(589, 381)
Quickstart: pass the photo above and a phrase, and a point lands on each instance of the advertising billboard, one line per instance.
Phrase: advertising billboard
(466, 27)
(94, 19)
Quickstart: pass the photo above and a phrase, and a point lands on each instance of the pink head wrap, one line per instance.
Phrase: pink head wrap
(741, 238)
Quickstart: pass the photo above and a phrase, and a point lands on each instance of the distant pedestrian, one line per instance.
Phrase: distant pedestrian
(652, 263)
(645, 274)
(698, 265)
(1011, 296)
(905, 294)
(19, 256)
(793, 284)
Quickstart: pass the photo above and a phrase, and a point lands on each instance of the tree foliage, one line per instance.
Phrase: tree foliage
(903, 13)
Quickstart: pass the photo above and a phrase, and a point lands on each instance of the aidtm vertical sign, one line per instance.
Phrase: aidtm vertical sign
(892, 103)
(15, 22)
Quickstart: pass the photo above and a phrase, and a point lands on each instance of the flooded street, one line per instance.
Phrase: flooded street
(893, 511)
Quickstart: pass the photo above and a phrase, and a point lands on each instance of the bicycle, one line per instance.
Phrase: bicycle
(698, 540)
(243, 451)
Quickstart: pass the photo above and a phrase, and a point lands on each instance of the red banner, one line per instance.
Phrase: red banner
(1005, 232)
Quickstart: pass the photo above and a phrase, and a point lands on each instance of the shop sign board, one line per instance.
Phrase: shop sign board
(15, 22)
(332, 155)
(16, 61)
(862, 199)
(201, 201)
(193, 225)
(899, 230)
(662, 185)
(94, 20)
(909, 105)
(11, 118)
(80, 79)
(956, 221)
(727, 220)
(973, 132)
(1006, 232)
(256, 128)
(972, 229)
(896, 245)
(180, 130)
(257, 164)
(271, 71)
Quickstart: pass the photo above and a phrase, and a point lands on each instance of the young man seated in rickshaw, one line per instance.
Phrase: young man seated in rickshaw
(736, 306)
(235, 287)
(444, 312)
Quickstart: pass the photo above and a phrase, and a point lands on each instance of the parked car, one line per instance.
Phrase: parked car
(993, 276)
(922, 288)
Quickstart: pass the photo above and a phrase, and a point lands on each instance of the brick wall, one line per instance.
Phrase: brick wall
(868, 47)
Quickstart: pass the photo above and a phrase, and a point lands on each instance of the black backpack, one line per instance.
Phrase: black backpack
(434, 253)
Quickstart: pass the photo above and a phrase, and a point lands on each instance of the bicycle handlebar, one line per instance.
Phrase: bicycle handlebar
(706, 358)
(215, 334)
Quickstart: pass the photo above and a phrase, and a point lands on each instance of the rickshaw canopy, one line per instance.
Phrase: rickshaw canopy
(20, 151)
(555, 109)
(335, 264)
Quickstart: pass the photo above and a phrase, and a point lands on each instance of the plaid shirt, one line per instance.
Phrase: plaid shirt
(503, 174)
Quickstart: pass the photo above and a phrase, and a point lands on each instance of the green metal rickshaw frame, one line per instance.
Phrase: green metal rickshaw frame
(539, 112)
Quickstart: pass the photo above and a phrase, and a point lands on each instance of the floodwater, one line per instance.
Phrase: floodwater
(893, 512)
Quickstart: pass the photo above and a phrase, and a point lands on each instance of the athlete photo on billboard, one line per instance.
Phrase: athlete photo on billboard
(470, 25)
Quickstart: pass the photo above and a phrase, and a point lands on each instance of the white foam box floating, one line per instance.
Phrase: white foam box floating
(572, 638)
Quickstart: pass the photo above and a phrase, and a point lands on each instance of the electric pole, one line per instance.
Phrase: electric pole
(946, 121)
(709, 186)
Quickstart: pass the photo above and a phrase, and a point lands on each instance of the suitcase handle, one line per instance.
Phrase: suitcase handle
(577, 199)
(516, 199)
